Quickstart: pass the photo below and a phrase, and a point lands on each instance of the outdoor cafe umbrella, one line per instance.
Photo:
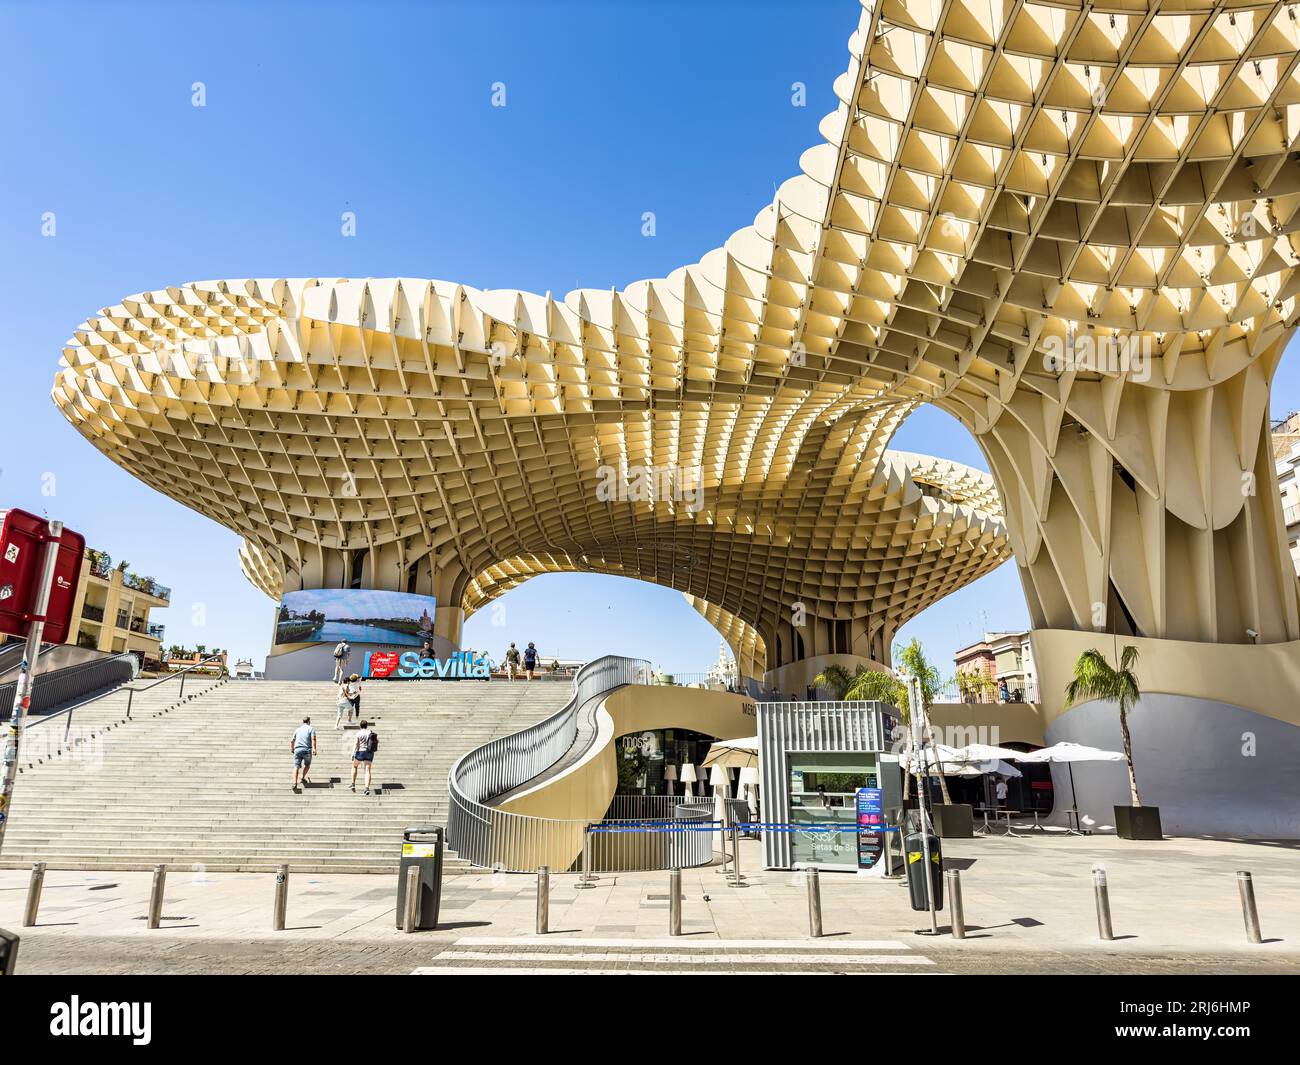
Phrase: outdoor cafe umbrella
(984, 752)
(979, 769)
(733, 754)
(1069, 753)
(931, 754)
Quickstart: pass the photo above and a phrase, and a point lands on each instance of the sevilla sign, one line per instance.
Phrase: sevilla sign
(22, 552)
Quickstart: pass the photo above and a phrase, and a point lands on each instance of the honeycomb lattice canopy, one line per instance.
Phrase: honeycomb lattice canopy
(1070, 226)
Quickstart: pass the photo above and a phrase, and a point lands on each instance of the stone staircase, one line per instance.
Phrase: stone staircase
(206, 782)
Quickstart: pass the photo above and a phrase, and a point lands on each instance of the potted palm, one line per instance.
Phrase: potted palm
(1095, 678)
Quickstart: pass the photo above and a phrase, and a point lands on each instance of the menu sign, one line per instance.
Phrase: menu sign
(871, 824)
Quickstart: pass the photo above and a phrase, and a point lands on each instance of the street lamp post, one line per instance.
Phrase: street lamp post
(916, 706)
(27, 672)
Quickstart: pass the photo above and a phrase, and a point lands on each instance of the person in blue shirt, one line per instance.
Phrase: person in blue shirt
(303, 746)
(530, 660)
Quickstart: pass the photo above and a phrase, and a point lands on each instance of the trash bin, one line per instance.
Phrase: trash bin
(915, 852)
(422, 847)
(8, 952)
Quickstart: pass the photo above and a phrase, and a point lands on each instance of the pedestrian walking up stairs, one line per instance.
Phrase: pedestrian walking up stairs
(673, 956)
(206, 783)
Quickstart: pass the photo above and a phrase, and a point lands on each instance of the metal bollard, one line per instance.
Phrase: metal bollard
(1246, 888)
(34, 887)
(543, 900)
(735, 858)
(953, 876)
(675, 902)
(586, 879)
(156, 895)
(281, 898)
(814, 903)
(1102, 893)
(411, 907)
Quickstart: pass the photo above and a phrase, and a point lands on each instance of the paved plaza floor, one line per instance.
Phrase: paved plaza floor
(1028, 908)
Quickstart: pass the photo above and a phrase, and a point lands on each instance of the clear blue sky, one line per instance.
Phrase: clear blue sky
(313, 109)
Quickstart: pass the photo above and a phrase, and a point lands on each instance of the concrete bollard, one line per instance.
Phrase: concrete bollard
(736, 878)
(814, 903)
(953, 876)
(586, 880)
(411, 907)
(675, 902)
(1246, 888)
(281, 898)
(543, 900)
(34, 887)
(1102, 893)
(156, 895)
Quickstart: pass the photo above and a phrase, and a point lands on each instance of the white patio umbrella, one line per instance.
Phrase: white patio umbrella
(733, 754)
(1070, 753)
(978, 769)
(985, 752)
(930, 754)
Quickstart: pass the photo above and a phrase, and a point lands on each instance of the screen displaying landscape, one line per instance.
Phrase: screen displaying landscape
(358, 615)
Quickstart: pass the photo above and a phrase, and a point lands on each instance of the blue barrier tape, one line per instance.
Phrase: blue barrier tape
(613, 830)
(780, 826)
(741, 826)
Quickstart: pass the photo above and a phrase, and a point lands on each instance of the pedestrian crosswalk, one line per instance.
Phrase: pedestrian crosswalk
(675, 956)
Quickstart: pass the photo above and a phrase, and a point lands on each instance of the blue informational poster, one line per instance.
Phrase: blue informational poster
(871, 822)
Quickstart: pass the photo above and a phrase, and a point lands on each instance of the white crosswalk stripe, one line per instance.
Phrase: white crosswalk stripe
(513, 970)
(556, 955)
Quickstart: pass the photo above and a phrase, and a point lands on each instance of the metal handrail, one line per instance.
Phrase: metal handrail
(64, 685)
(624, 807)
(486, 836)
(170, 676)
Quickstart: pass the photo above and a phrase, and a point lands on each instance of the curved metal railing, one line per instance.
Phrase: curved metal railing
(492, 838)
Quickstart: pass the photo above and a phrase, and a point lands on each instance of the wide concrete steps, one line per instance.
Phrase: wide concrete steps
(205, 782)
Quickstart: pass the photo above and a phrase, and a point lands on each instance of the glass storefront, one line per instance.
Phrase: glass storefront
(823, 788)
(643, 756)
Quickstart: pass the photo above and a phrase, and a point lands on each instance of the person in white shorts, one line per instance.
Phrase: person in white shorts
(364, 748)
(344, 705)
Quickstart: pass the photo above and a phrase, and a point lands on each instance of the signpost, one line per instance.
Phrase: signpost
(920, 726)
(40, 565)
(871, 824)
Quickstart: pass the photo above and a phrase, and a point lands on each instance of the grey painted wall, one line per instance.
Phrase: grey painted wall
(1193, 759)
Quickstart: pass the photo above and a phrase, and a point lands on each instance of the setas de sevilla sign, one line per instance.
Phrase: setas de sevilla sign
(22, 552)
(411, 665)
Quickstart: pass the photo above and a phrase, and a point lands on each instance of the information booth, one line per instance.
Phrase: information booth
(823, 765)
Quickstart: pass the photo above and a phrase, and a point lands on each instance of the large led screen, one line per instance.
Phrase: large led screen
(358, 615)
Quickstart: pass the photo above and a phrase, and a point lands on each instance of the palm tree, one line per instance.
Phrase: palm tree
(882, 686)
(1095, 679)
(912, 658)
(836, 679)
